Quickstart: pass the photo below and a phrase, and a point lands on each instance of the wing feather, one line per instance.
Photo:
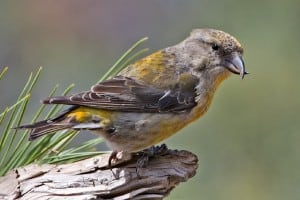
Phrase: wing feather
(126, 94)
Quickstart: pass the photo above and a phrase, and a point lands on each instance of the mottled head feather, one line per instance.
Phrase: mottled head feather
(228, 42)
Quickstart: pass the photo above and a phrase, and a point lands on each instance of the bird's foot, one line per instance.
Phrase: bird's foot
(146, 154)
(142, 160)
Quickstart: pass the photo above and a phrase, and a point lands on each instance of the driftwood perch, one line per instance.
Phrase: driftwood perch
(91, 179)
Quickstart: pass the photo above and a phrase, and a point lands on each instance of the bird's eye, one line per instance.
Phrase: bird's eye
(215, 47)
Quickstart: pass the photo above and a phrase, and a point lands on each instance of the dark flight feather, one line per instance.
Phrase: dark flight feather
(126, 94)
(44, 127)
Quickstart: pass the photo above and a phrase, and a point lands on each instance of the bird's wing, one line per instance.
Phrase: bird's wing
(126, 94)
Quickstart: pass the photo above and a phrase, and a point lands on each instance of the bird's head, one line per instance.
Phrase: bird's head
(214, 52)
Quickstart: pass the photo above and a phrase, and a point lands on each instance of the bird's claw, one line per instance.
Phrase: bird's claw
(145, 155)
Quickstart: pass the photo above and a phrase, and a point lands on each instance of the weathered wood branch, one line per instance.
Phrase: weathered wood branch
(91, 179)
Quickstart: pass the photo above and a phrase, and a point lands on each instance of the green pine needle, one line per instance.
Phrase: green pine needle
(115, 68)
(4, 70)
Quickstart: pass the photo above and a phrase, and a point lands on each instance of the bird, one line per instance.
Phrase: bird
(152, 98)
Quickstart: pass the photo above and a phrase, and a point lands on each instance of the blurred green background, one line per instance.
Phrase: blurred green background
(248, 142)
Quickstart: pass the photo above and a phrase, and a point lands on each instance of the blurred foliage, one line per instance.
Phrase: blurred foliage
(248, 142)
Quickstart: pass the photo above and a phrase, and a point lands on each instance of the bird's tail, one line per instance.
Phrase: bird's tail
(44, 127)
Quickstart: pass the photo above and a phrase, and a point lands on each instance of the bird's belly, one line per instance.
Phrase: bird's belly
(138, 131)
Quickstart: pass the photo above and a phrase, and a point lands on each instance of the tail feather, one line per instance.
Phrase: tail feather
(43, 127)
(61, 122)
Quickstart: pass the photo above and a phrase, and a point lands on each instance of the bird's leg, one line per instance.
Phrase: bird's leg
(113, 156)
(116, 158)
(146, 154)
(141, 162)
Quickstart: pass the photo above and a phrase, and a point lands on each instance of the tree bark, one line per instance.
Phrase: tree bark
(91, 178)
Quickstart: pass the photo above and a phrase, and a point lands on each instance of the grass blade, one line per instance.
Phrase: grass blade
(114, 70)
(39, 145)
(2, 115)
(71, 157)
(15, 120)
(21, 147)
(86, 146)
(4, 70)
(129, 60)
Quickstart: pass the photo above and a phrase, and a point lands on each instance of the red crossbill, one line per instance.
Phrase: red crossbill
(155, 97)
